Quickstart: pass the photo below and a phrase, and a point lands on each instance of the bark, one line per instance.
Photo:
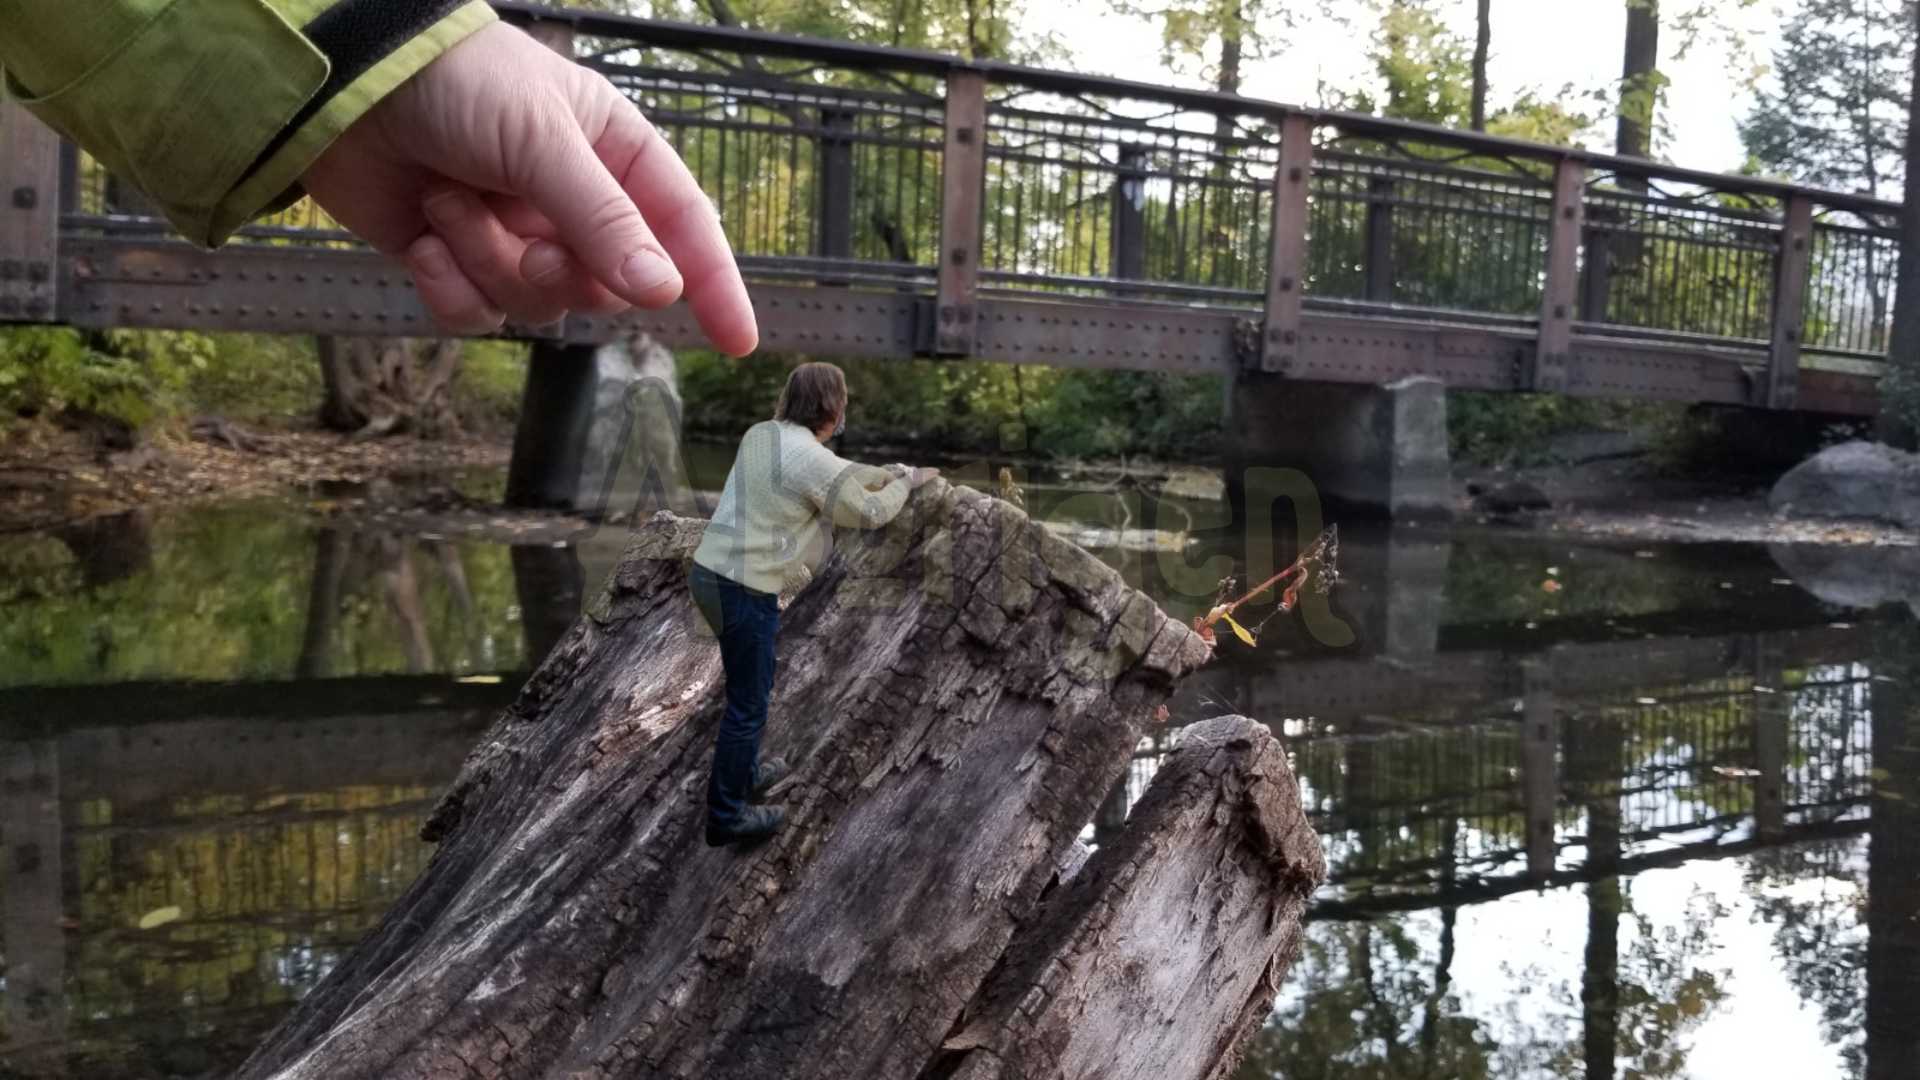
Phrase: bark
(383, 386)
(1639, 81)
(957, 693)
(1233, 28)
(1124, 974)
(1893, 874)
(1900, 390)
(1482, 41)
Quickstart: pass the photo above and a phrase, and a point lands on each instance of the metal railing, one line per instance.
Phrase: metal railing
(845, 165)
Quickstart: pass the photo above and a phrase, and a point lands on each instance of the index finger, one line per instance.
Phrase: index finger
(683, 219)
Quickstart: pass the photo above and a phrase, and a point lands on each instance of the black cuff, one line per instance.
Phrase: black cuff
(355, 35)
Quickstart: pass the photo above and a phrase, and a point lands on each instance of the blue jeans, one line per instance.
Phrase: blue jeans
(745, 620)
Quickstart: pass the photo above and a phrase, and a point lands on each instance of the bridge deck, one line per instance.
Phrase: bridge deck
(894, 203)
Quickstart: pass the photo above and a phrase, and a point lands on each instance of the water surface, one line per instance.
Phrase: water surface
(1590, 810)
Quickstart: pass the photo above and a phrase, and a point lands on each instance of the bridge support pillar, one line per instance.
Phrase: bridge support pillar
(31, 911)
(599, 431)
(1367, 449)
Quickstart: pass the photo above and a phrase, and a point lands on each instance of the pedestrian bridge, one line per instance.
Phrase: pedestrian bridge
(896, 203)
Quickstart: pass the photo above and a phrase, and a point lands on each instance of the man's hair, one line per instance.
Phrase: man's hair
(815, 394)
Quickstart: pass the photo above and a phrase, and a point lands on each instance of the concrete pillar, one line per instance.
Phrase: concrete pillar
(1393, 589)
(599, 431)
(1367, 449)
(30, 903)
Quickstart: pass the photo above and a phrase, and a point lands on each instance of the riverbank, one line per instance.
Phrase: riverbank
(52, 476)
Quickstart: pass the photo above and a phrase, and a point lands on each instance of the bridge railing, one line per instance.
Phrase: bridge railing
(853, 165)
(829, 159)
(1415, 804)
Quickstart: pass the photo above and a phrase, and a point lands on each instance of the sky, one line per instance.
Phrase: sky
(1537, 45)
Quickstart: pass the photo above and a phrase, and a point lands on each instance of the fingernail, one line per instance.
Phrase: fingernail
(450, 207)
(432, 259)
(543, 262)
(647, 270)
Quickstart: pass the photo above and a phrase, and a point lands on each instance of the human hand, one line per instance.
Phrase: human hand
(516, 183)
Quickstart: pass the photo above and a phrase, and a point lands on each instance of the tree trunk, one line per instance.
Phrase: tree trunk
(957, 693)
(381, 386)
(1233, 28)
(1215, 867)
(1900, 389)
(1893, 874)
(332, 549)
(1639, 80)
(1482, 41)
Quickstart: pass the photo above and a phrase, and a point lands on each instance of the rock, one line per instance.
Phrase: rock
(1511, 497)
(1856, 479)
(1853, 577)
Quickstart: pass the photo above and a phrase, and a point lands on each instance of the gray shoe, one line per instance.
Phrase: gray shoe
(756, 823)
(772, 771)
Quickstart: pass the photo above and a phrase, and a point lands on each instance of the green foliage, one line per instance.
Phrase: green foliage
(258, 378)
(1514, 429)
(492, 375)
(974, 407)
(1427, 67)
(185, 614)
(1900, 397)
(133, 376)
(1835, 111)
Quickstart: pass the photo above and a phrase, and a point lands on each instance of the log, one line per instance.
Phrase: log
(1164, 954)
(957, 693)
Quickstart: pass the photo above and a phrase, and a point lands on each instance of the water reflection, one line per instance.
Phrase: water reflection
(1659, 820)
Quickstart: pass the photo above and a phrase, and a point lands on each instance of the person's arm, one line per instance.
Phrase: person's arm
(858, 496)
(214, 108)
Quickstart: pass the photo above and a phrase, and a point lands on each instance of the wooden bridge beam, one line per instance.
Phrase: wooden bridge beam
(1791, 267)
(1286, 271)
(1553, 351)
(964, 176)
(29, 216)
(1540, 764)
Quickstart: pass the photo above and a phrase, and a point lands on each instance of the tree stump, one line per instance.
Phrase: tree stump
(383, 386)
(957, 693)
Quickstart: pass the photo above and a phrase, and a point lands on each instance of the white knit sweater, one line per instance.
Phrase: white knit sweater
(772, 529)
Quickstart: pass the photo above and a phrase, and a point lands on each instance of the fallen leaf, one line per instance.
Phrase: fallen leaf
(159, 917)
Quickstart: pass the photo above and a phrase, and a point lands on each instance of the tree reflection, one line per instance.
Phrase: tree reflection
(1893, 880)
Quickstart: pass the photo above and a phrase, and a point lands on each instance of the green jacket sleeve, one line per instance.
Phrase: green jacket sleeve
(215, 107)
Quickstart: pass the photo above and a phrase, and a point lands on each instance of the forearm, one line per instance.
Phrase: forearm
(866, 497)
(215, 107)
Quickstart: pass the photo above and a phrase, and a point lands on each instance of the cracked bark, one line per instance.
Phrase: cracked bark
(957, 691)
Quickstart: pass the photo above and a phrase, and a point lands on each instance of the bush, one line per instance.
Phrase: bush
(133, 376)
(258, 378)
(487, 392)
(975, 407)
(1514, 429)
